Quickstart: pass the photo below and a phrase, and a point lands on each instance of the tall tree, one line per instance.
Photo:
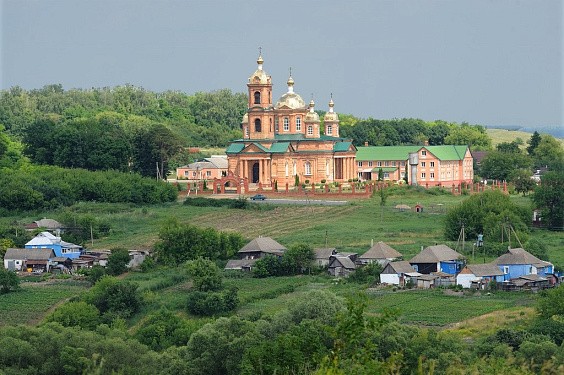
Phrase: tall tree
(152, 150)
(533, 143)
(549, 197)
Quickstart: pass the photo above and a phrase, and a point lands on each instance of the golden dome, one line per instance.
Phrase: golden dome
(311, 116)
(290, 99)
(331, 115)
(260, 76)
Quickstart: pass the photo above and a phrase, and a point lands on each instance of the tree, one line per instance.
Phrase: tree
(549, 153)
(549, 197)
(9, 280)
(510, 147)
(474, 136)
(269, 265)
(522, 180)
(298, 259)
(551, 304)
(75, 314)
(380, 174)
(152, 150)
(498, 165)
(205, 274)
(117, 262)
(114, 298)
(533, 143)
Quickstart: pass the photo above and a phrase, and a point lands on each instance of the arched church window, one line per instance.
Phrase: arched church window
(287, 169)
(298, 124)
(310, 130)
(295, 171)
(329, 130)
(258, 127)
(257, 97)
(286, 124)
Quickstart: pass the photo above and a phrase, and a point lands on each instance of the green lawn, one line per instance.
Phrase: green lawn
(29, 304)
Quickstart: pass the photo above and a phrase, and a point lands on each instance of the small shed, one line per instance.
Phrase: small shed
(341, 265)
(260, 247)
(426, 281)
(418, 208)
(240, 264)
(398, 273)
(36, 260)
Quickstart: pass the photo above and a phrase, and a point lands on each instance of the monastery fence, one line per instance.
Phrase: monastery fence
(343, 190)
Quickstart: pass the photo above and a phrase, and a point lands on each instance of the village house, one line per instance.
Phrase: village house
(48, 224)
(205, 169)
(282, 141)
(518, 262)
(29, 260)
(478, 276)
(342, 264)
(438, 258)
(444, 165)
(399, 273)
(530, 282)
(46, 240)
(254, 250)
(380, 253)
(323, 255)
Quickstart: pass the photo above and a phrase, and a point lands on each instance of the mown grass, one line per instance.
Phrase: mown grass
(29, 304)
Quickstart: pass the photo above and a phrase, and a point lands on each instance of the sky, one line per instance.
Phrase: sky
(488, 62)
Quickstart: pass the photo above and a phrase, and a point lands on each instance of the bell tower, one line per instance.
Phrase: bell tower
(260, 110)
(331, 121)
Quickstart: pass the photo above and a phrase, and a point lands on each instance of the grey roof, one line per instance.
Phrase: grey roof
(428, 277)
(29, 254)
(345, 261)
(264, 245)
(324, 253)
(48, 223)
(401, 266)
(520, 256)
(381, 250)
(488, 269)
(435, 254)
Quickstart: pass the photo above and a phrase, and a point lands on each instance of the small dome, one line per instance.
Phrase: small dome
(331, 116)
(245, 119)
(311, 117)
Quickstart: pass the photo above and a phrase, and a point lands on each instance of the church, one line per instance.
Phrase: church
(283, 142)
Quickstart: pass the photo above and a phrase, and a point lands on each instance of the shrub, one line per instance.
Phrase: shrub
(9, 281)
(75, 314)
(212, 303)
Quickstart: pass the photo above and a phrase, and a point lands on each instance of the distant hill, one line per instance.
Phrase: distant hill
(509, 135)
(554, 130)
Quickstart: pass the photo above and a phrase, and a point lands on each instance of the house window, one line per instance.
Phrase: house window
(276, 124)
(286, 169)
(432, 164)
(307, 168)
(423, 164)
(310, 130)
(387, 163)
(186, 173)
(386, 175)
(432, 176)
(505, 270)
(379, 164)
(246, 132)
(360, 164)
(208, 173)
(423, 175)
(258, 127)
(295, 169)
(370, 164)
(423, 153)
(329, 130)
(393, 164)
(299, 123)
(194, 174)
(257, 97)
(403, 163)
(402, 174)
(286, 124)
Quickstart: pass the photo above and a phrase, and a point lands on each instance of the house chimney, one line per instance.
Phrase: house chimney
(365, 144)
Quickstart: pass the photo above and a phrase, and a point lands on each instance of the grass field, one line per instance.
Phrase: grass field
(502, 135)
(29, 304)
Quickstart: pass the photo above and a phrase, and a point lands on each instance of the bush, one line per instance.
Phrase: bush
(212, 303)
(75, 314)
(9, 280)
(117, 262)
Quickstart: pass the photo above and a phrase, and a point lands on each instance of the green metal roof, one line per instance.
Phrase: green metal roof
(448, 152)
(342, 146)
(235, 148)
(443, 152)
(385, 169)
(279, 147)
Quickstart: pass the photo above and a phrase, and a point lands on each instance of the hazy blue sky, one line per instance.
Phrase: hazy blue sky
(495, 62)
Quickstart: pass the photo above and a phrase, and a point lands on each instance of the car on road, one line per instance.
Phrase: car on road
(258, 197)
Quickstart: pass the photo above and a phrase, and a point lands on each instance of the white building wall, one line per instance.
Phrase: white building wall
(465, 279)
(389, 278)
